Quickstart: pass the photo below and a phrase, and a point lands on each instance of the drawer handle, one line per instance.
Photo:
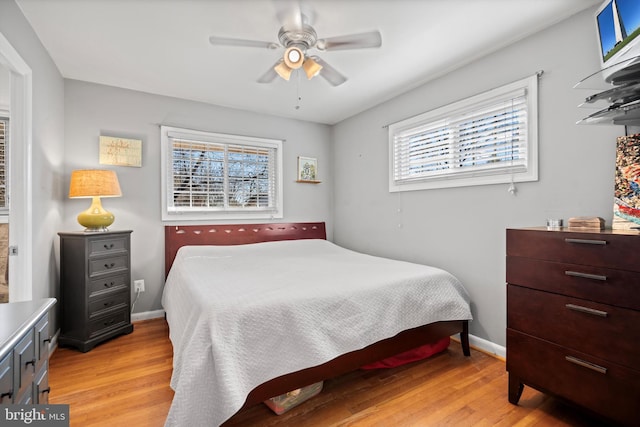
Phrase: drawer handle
(30, 362)
(597, 368)
(108, 285)
(108, 303)
(8, 394)
(46, 390)
(586, 241)
(109, 246)
(587, 310)
(585, 275)
(109, 322)
(46, 340)
(113, 264)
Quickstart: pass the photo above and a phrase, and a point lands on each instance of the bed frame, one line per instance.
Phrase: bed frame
(240, 234)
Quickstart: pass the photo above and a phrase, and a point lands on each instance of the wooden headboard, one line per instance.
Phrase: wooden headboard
(176, 236)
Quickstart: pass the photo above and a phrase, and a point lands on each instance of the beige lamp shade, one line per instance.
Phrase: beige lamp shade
(311, 68)
(94, 183)
(283, 70)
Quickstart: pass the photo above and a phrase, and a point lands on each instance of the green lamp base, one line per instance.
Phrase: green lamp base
(95, 218)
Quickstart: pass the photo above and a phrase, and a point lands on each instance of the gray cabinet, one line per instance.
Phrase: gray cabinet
(95, 282)
(24, 352)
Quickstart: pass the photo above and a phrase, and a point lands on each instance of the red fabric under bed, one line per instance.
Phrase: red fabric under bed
(419, 353)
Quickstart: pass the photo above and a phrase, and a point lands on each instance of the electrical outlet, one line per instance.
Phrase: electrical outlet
(138, 285)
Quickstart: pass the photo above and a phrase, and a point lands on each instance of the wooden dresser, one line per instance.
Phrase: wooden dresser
(573, 318)
(95, 284)
(24, 352)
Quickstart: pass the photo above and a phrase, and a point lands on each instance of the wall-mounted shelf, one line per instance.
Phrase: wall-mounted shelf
(618, 98)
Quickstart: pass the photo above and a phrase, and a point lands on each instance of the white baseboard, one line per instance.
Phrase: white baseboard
(147, 315)
(488, 346)
(484, 345)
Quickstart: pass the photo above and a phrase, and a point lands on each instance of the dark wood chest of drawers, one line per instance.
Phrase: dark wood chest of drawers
(573, 318)
(95, 282)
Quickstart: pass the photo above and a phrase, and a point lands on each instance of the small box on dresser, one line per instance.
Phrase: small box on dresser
(95, 282)
(573, 318)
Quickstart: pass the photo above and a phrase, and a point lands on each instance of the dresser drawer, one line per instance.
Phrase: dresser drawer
(98, 266)
(604, 331)
(617, 251)
(601, 386)
(609, 286)
(43, 338)
(41, 385)
(108, 245)
(109, 284)
(98, 306)
(24, 359)
(6, 379)
(25, 397)
(104, 324)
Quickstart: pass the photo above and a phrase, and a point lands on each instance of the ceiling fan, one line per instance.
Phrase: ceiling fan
(297, 37)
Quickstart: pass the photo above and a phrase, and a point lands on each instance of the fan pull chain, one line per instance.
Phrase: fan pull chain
(298, 97)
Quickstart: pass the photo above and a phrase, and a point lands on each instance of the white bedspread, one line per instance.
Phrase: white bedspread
(242, 315)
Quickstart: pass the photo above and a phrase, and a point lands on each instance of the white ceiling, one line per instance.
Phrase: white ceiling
(162, 47)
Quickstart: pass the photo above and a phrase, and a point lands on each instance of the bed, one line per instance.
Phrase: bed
(257, 310)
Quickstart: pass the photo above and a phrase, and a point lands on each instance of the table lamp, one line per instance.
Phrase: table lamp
(94, 183)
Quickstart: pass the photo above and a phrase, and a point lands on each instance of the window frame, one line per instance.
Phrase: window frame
(235, 213)
(462, 178)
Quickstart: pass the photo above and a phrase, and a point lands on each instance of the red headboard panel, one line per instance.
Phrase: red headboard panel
(235, 234)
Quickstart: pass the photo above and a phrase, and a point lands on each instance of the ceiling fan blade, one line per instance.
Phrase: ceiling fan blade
(271, 74)
(352, 41)
(289, 13)
(330, 74)
(226, 41)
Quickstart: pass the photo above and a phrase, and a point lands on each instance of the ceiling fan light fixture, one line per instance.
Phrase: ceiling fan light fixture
(311, 68)
(283, 70)
(294, 57)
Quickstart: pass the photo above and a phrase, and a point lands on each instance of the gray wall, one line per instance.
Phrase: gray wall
(47, 147)
(93, 110)
(463, 229)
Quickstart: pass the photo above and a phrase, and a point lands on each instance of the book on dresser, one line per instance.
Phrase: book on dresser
(95, 287)
(573, 318)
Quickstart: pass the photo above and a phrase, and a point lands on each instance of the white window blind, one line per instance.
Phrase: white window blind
(4, 143)
(487, 139)
(230, 176)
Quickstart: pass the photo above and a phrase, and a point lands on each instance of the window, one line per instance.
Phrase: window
(209, 175)
(490, 138)
(4, 157)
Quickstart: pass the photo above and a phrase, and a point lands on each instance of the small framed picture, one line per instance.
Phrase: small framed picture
(307, 169)
(120, 151)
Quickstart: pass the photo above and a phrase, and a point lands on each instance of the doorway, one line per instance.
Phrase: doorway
(20, 264)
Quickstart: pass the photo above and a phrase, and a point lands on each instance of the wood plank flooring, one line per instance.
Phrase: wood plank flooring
(125, 382)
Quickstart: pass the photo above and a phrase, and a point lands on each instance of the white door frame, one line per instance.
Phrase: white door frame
(20, 182)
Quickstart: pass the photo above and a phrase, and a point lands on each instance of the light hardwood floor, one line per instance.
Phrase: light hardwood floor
(125, 382)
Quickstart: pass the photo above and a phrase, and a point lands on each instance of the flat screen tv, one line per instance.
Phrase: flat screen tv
(618, 23)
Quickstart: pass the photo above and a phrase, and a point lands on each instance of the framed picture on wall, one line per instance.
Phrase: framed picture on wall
(308, 170)
(120, 151)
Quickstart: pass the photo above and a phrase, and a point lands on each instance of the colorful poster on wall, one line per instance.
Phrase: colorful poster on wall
(626, 207)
